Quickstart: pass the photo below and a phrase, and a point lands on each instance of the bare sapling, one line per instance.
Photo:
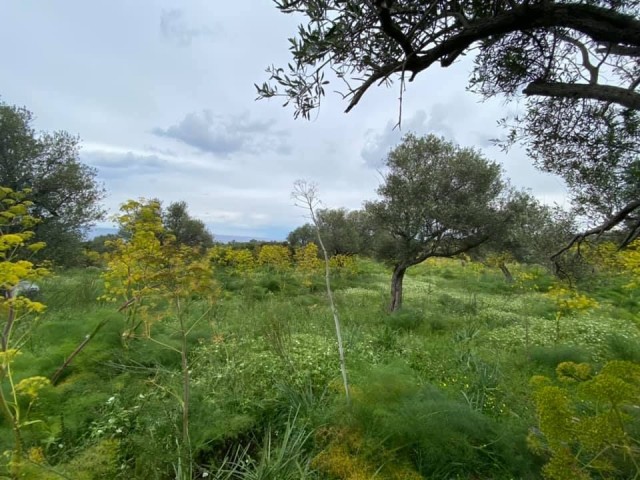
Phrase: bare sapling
(306, 196)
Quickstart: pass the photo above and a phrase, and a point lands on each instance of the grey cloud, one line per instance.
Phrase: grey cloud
(175, 27)
(117, 165)
(224, 135)
(378, 144)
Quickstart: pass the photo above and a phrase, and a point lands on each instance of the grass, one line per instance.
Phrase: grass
(267, 399)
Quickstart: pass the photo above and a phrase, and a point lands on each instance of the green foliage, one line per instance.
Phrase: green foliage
(622, 347)
(343, 232)
(552, 355)
(64, 192)
(587, 421)
(405, 319)
(17, 397)
(282, 456)
(98, 462)
(452, 362)
(276, 257)
(438, 200)
(390, 405)
(186, 230)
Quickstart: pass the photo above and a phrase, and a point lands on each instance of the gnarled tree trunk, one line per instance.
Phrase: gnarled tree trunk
(396, 287)
(505, 271)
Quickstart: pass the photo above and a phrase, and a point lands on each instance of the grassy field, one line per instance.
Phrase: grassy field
(439, 390)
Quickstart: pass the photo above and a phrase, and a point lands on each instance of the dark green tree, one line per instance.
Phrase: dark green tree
(576, 62)
(302, 235)
(437, 200)
(535, 233)
(187, 230)
(343, 232)
(64, 191)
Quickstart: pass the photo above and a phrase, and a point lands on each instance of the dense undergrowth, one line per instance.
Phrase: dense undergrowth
(440, 389)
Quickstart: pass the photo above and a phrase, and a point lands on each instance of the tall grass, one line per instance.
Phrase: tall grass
(440, 389)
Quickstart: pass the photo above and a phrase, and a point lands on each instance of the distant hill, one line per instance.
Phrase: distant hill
(235, 238)
(97, 231)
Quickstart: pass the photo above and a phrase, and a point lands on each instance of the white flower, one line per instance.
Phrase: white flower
(205, 474)
(111, 399)
(118, 430)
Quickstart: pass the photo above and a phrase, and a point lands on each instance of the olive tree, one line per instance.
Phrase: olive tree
(535, 232)
(437, 200)
(187, 230)
(343, 231)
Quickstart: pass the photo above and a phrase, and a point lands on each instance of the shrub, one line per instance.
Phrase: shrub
(98, 462)
(405, 416)
(587, 422)
(553, 355)
(458, 305)
(405, 319)
(622, 347)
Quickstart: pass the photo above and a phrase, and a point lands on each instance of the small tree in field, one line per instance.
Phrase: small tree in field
(438, 200)
(154, 277)
(306, 196)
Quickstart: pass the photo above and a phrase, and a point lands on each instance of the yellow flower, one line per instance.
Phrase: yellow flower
(32, 385)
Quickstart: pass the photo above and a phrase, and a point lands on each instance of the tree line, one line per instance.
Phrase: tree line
(437, 200)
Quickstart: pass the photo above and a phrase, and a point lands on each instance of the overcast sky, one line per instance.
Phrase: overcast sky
(161, 94)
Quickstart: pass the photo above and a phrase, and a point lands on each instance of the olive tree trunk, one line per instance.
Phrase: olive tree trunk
(396, 287)
(507, 274)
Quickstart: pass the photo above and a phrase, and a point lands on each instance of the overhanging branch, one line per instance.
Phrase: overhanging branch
(600, 24)
(618, 218)
(606, 93)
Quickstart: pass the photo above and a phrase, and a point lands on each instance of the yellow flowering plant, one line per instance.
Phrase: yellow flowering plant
(154, 278)
(586, 422)
(568, 302)
(16, 247)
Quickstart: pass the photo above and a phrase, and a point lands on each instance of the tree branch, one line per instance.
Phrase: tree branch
(391, 29)
(622, 50)
(618, 218)
(606, 93)
(382, 73)
(600, 24)
(586, 60)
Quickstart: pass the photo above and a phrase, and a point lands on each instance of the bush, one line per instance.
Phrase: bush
(271, 284)
(442, 436)
(553, 355)
(438, 323)
(458, 305)
(623, 348)
(405, 319)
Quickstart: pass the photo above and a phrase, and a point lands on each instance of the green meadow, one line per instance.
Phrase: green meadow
(439, 390)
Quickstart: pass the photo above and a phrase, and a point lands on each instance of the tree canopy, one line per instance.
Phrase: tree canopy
(438, 200)
(187, 230)
(343, 232)
(64, 191)
(577, 63)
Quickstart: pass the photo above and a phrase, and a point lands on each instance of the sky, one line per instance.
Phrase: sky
(162, 95)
